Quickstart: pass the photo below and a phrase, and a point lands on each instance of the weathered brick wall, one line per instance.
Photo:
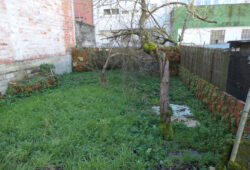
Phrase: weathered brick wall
(34, 30)
(221, 104)
(84, 11)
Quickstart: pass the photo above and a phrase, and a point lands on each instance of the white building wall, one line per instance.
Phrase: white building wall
(214, 2)
(201, 36)
(104, 24)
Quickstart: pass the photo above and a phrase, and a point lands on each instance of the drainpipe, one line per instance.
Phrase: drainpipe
(92, 4)
(74, 24)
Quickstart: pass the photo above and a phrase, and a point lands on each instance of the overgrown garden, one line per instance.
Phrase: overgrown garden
(82, 125)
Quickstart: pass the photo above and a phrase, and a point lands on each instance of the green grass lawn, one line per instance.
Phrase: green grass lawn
(80, 125)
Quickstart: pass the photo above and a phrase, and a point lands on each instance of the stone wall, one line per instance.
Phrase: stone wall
(85, 34)
(34, 32)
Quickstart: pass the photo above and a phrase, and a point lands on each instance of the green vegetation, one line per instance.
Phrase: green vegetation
(46, 68)
(28, 85)
(149, 46)
(81, 125)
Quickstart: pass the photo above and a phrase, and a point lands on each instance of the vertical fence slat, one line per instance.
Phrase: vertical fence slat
(209, 64)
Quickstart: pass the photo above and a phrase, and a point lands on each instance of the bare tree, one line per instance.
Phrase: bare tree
(103, 79)
(160, 35)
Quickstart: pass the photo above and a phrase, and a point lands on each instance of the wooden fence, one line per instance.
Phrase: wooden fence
(209, 64)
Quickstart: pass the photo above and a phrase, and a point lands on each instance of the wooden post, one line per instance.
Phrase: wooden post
(165, 116)
(241, 128)
(212, 69)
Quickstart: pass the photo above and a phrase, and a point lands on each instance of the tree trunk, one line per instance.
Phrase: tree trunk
(103, 79)
(142, 22)
(166, 126)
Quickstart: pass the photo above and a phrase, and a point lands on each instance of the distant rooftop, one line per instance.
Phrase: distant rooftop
(239, 41)
(221, 45)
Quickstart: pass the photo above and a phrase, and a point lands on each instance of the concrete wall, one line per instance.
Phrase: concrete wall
(84, 10)
(227, 16)
(34, 32)
(85, 34)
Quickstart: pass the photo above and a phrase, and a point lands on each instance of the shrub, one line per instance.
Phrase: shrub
(129, 59)
(47, 68)
(27, 86)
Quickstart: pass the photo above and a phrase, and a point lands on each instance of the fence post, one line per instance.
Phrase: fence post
(212, 68)
(241, 128)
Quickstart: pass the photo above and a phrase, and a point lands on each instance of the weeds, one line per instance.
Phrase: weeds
(80, 125)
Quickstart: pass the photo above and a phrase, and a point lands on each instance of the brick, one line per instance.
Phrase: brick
(210, 107)
(36, 27)
(237, 113)
(238, 122)
(228, 97)
(247, 128)
(240, 105)
(224, 109)
(36, 31)
(83, 9)
(230, 109)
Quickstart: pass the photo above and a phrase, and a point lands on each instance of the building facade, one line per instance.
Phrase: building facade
(32, 33)
(85, 30)
(232, 24)
(110, 16)
(214, 2)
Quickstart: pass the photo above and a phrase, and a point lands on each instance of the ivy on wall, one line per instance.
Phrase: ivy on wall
(221, 104)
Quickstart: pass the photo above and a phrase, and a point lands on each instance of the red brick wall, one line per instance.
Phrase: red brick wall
(83, 9)
(33, 29)
(221, 104)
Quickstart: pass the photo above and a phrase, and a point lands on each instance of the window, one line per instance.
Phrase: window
(125, 12)
(111, 11)
(115, 11)
(217, 36)
(107, 12)
(245, 35)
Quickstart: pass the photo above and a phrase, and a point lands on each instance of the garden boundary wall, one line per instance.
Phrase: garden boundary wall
(221, 104)
(129, 59)
(84, 59)
(209, 64)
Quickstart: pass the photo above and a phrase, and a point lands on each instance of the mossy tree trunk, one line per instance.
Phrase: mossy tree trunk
(165, 115)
